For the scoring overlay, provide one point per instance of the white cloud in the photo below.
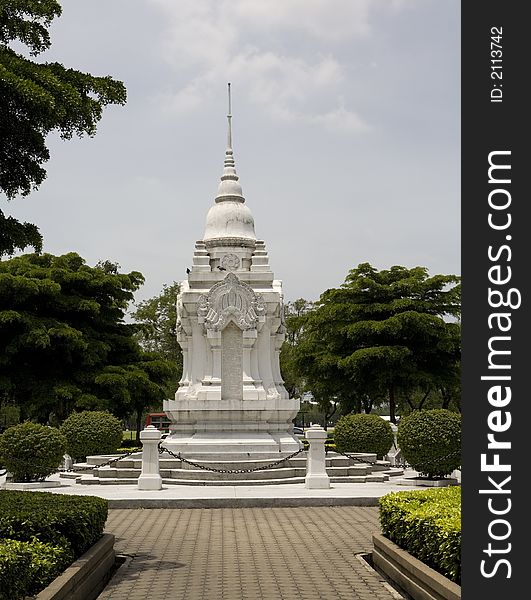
(330, 20)
(207, 41)
(341, 119)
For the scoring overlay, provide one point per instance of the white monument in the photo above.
(230, 326)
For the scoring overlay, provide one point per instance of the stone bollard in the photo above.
(150, 478)
(316, 476)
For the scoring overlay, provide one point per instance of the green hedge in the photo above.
(426, 523)
(91, 432)
(15, 569)
(28, 567)
(58, 519)
(430, 441)
(363, 433)
(31, 451)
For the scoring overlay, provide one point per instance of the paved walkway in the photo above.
(302, 553)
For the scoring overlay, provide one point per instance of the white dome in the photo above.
(229, 219)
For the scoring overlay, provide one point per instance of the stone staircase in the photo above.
(340, 469)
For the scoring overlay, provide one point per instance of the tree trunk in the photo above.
(138, 424)
(328, 416)
(392, 404)
(367, 405)
(446, 397)
(424, 398)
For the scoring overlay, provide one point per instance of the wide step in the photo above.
(224, 470)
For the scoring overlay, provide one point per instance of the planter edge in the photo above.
(86, 577)
(412, 575)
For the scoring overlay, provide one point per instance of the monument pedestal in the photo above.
(220, 443)
(254, 427)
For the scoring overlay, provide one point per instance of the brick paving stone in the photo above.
(303, 553)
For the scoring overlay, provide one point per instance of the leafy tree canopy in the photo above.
(156, 332)
(380, 333)
(15, 235)
(295, 315)
(157, 320)
(64, 343)
(37, 98)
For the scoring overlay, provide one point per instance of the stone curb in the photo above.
(239, 502)
(412, 575)
(85, 578)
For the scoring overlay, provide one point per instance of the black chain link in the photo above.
(232, 471)
(400, 465)
(406, 465)
(35, 460)
(105, 464)
(356, 458)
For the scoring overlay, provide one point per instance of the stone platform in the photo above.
(340, 469)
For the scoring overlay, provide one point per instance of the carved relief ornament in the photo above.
(230, 300)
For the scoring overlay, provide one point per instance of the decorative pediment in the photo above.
(230, 300)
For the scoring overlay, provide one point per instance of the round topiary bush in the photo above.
(430, 441)
(91, 432)
(363, 433)
(31, 452)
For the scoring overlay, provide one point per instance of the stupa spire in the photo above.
(230, 217)
(229, 117)
(229, 188)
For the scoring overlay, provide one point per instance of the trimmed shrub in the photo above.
(26, 568)
(31, 452)
(47, 563)
(75, 522)
(91, 432)
(430, 441)
(426, 523)
(15, 569)
(363, 433)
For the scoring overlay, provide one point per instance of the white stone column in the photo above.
(150, 478)
(316, 476)
(249, 339)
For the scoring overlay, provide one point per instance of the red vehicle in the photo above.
(159, 420)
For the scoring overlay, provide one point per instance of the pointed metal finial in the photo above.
(229, 117)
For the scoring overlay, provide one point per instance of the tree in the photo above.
(15, 235)
(381, 334)
(136, 387)
(36, 99)
(63, 336)
(156, 319)
(295, 315)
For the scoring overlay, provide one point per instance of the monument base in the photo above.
(240, 443)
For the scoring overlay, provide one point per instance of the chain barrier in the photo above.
(357, 459)
(163, 450)
(406, 465)
(73, 468)
(398, 465)
(105, 464)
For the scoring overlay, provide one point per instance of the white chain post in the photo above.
(316, 476)
(150, 478)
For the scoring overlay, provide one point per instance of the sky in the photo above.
(346, 135)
